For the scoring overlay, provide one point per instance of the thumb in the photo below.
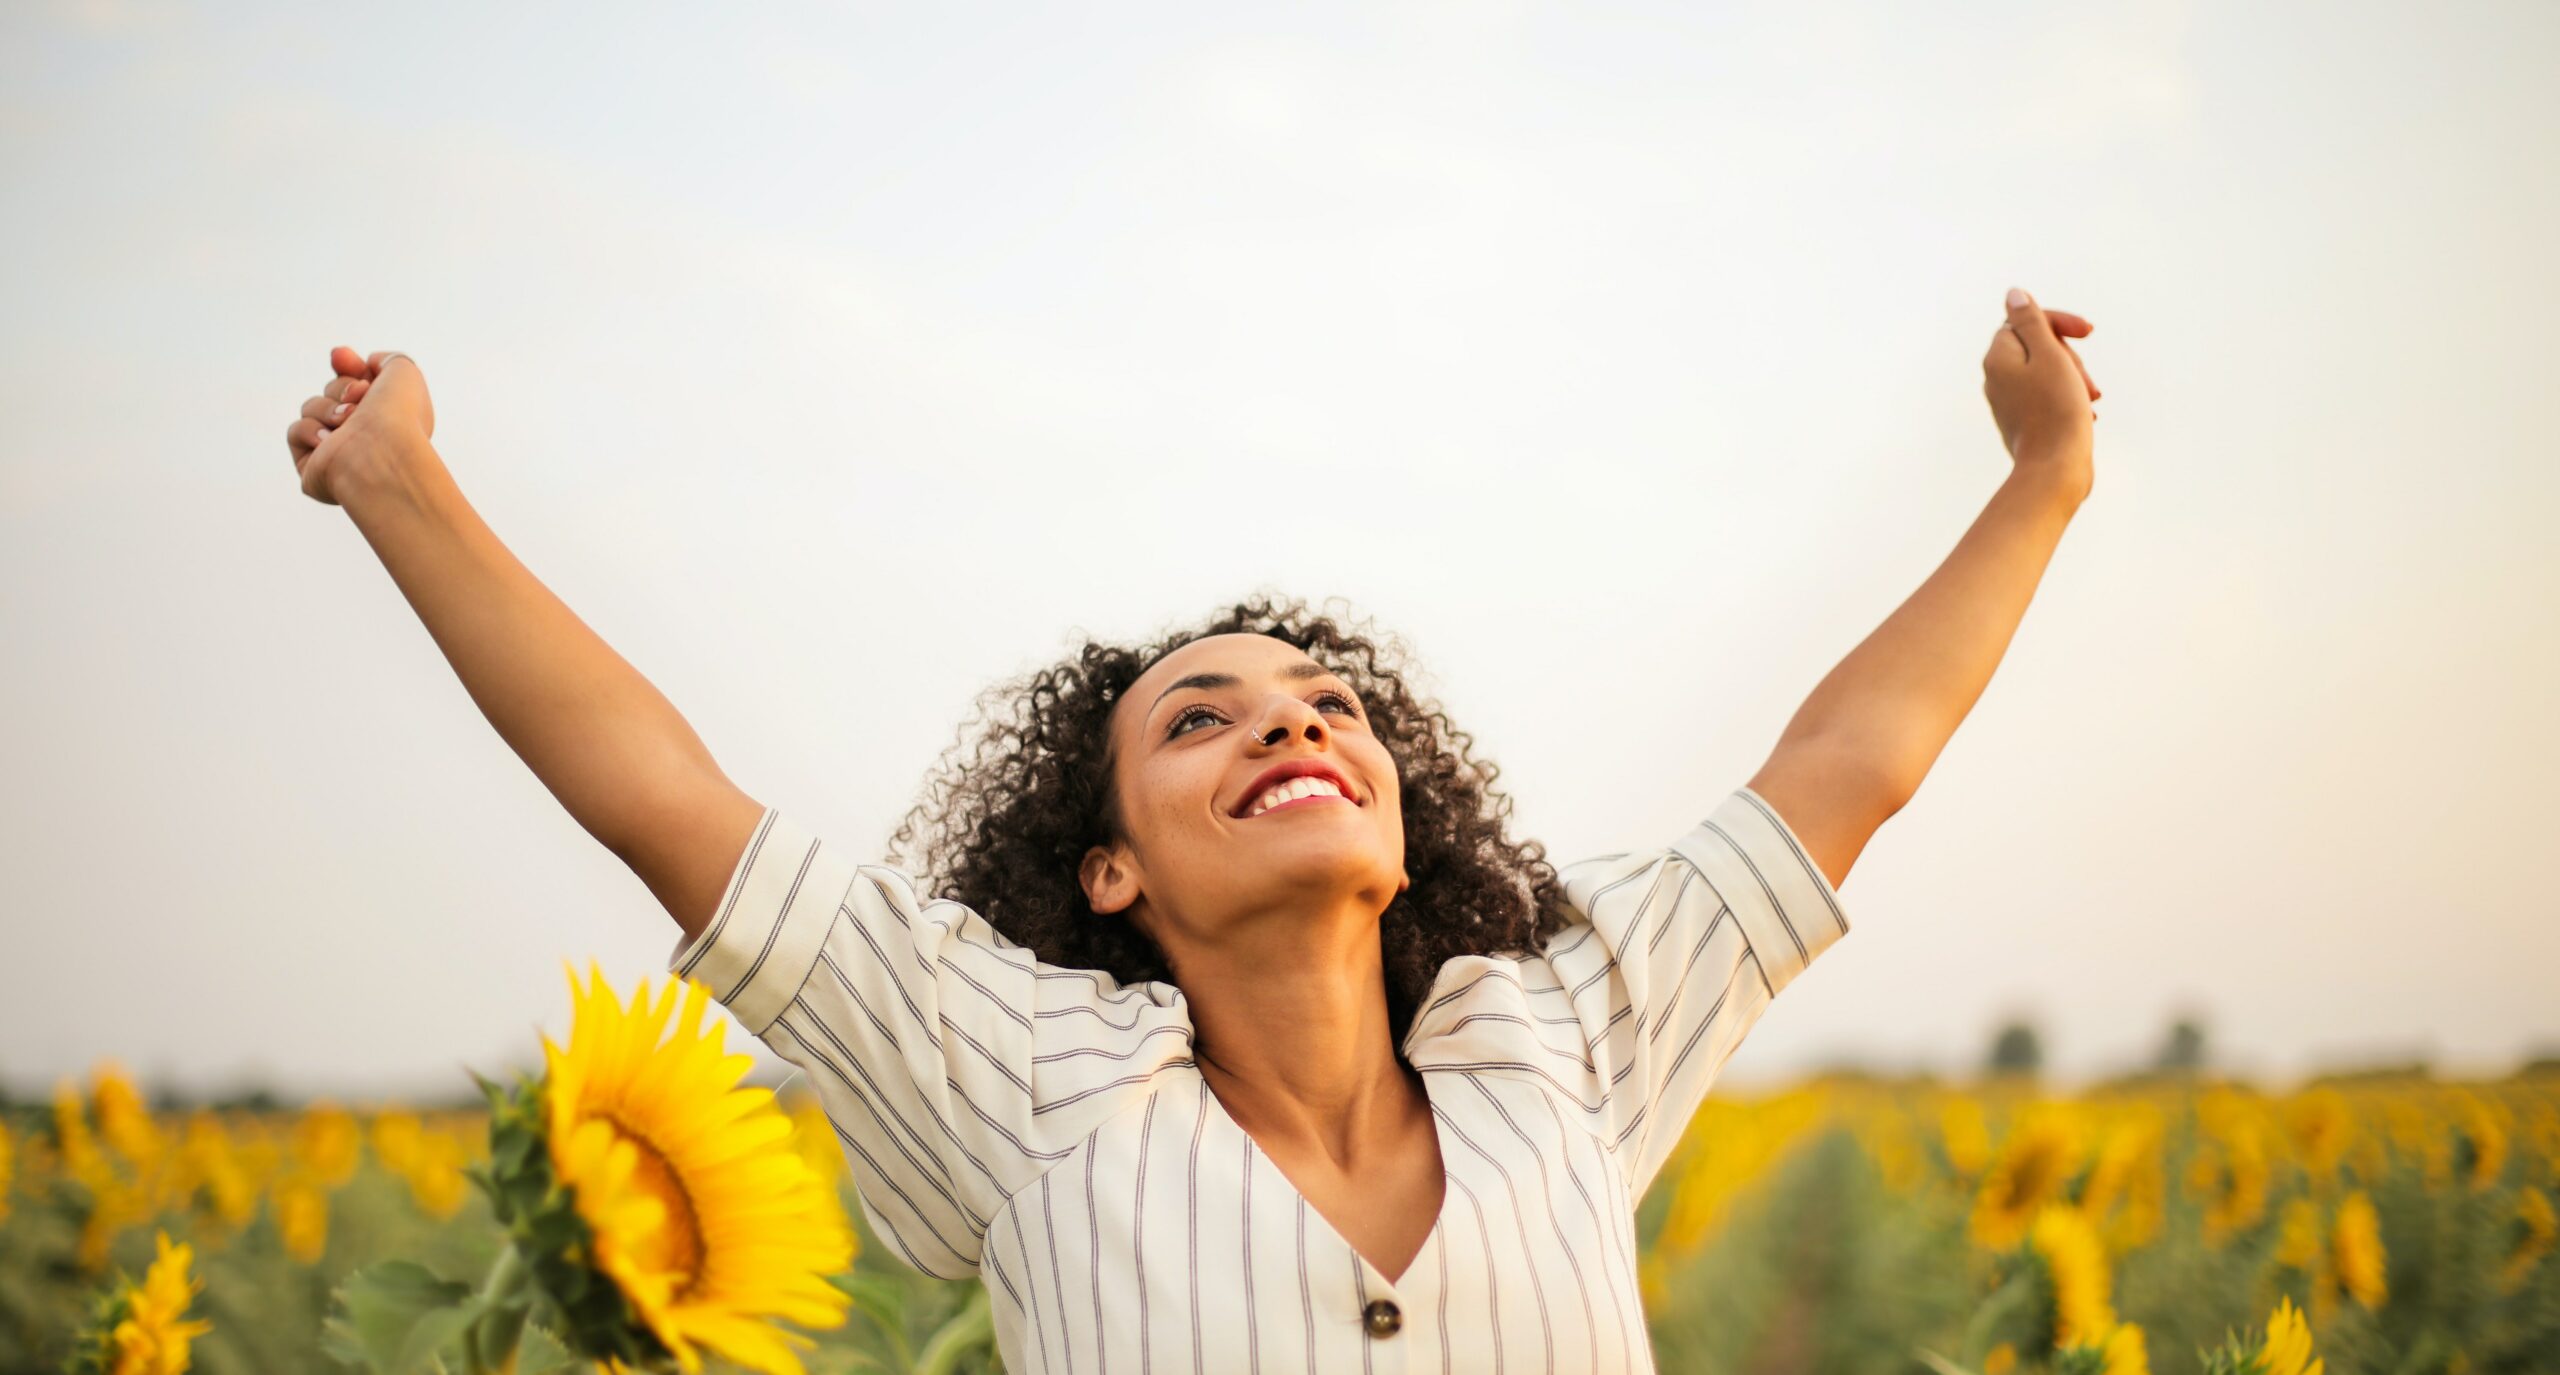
(2033, 329)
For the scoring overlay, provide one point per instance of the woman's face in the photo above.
(1192, 741)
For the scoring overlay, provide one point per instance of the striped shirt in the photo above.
(1045, 1129)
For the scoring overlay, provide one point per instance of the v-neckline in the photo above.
(1439, 1130)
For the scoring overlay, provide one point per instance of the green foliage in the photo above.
(1818, 1267)
(90, 1351)
(397, 1317)
(583, 1307)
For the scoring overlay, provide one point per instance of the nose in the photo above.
(1285, 716)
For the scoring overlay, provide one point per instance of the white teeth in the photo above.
(1291, 791)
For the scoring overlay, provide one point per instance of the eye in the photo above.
(1203, 711)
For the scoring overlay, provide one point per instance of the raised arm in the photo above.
(606, 743)
(1855, 752)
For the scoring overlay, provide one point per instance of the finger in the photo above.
(2066, 323)
(2006, 348)
(376, 361)
(326, 410)
(303, 436)
(2074, 355)
(2027, 318)
(356, 390)
(346, 361)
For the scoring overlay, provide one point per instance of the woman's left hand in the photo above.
(2038, 389)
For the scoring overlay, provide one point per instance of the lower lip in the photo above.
(1307, 800)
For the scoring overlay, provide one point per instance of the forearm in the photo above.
(606, 743)
(1890, 707)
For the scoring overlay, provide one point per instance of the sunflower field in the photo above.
(635, 1206)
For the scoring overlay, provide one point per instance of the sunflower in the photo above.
(2126, 1352)
(122, 1118)
(327, 1144)
(202, 1172)
(2288, 1347)
(687, 1197)
(435, 1177)
(5, 1163)
(2062, 1237)
(143, 1329)
(2481, 1144)
(2535, 1227)
(2035, 1164)
(1967, 1139)
(2355, 1248)
(2298, 1236)
(2323, 1128)
(302, 1218)
(2122, 1353)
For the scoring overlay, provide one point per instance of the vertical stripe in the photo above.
(1252, 1324)
(1528, 1252)
(1547, 1195)
(1093, 1265)
(1608, 1231)
(1138, 1235)
(1031, 1281)
(1440, 1248)
(1360, 1296)
(1492, 1270)
(953, 1094)
(1057, 1277)
(1199, 1124)
(1306, 1300)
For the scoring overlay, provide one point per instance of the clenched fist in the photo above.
(375, 411)
(2038, 390)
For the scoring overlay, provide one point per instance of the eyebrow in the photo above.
(1307, 668)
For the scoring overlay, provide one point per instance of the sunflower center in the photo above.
(675, 1246)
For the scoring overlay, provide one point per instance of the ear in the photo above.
(1110, 882)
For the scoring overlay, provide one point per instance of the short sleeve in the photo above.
(1630, 1013)
(954, 1066)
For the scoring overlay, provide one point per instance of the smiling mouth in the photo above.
(1296, 802)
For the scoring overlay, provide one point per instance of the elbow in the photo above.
(1882, 779)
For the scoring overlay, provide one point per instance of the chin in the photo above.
(1327, 867)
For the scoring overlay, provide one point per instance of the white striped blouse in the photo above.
(1045, 1129)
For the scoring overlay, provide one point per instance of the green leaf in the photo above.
(883, 1300)
(395, 1316)
(971, 1329)
(1940, 1363)
(1998, 1312)
(540, 1352)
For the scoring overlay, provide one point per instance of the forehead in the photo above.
(1243, 653)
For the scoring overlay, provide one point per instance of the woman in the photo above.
(1236, 1034)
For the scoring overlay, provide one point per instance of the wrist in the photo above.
(2063, 475)
(403, 476)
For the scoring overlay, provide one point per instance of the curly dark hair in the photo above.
(1006, 817)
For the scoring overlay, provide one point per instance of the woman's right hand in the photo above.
(369, 415)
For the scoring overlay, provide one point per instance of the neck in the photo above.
(1292, 1033)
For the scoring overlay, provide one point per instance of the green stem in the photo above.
(489, 1343)
(972, 1327)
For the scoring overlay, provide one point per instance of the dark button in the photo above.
(1384, 1318)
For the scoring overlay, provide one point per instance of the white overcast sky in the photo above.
(834, 361)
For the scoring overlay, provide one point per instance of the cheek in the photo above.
(1176, 793)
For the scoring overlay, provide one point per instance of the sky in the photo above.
(835, 362)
